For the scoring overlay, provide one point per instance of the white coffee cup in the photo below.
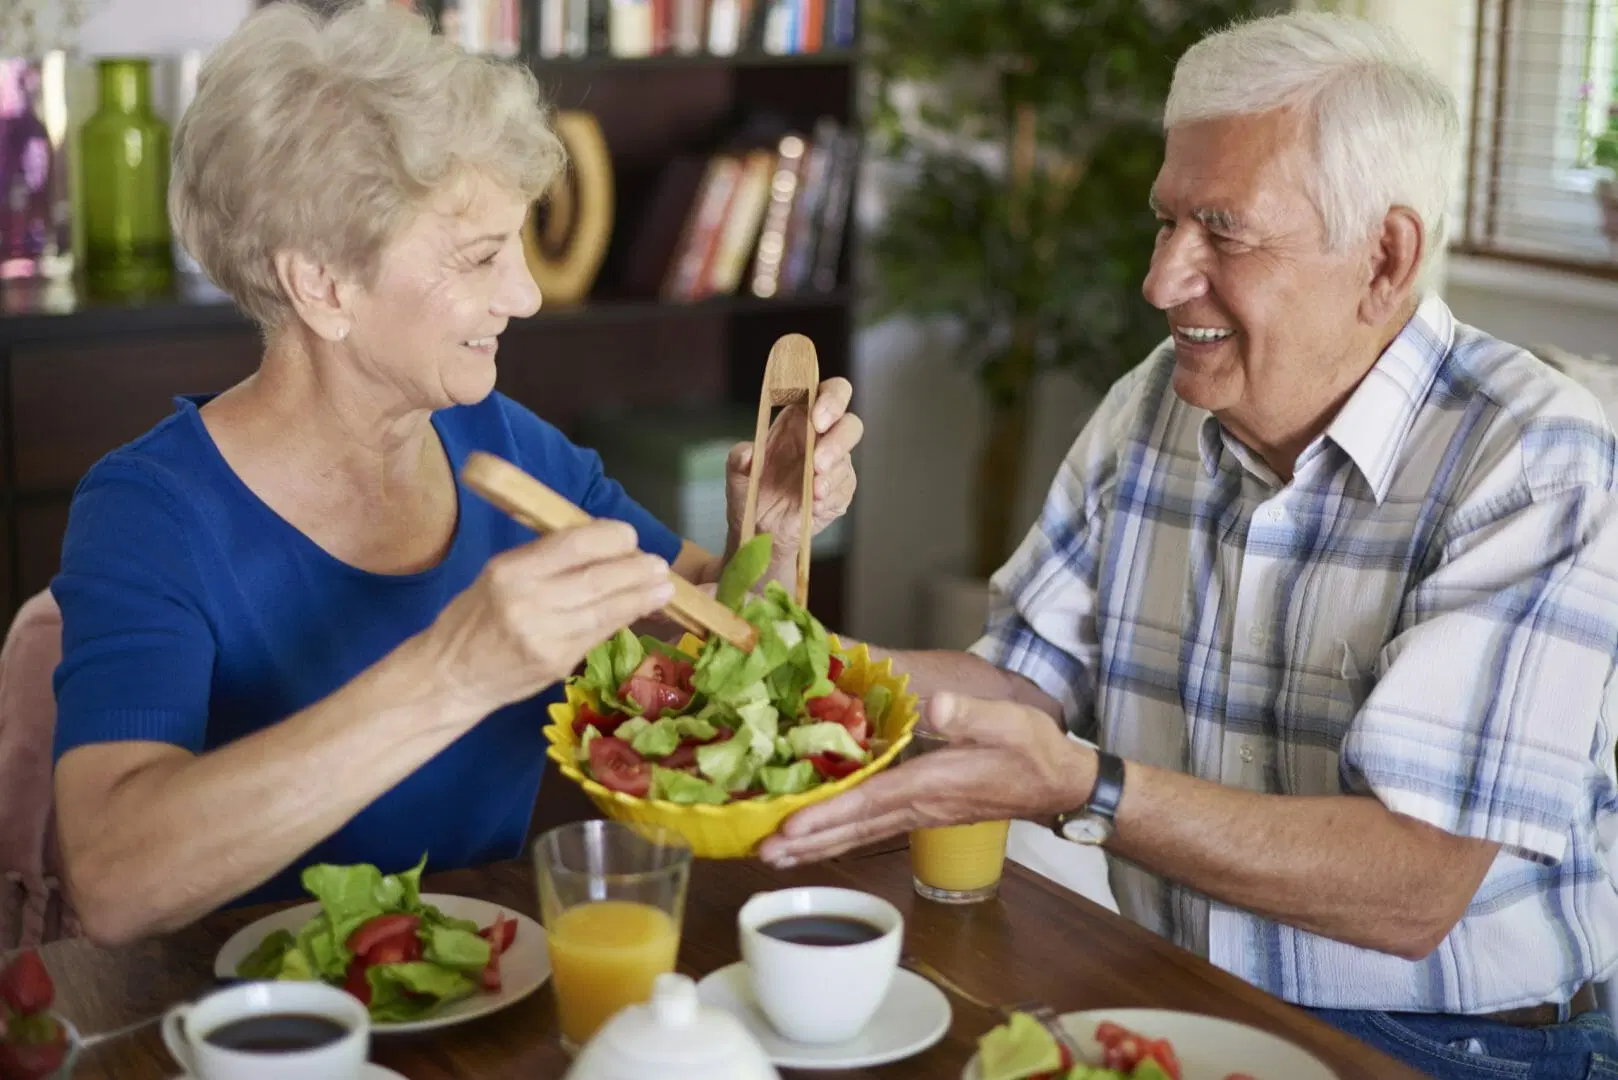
(820, 994)
(186, 1031)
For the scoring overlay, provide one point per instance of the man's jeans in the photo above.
(1467, 1048)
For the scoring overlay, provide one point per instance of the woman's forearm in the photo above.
(167, 838)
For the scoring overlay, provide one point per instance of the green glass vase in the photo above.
(124, 146)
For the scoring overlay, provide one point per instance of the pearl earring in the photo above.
(342, 334)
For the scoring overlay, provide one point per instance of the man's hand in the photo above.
(1004, 761)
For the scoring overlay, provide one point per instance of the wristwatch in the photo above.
(1092, 823)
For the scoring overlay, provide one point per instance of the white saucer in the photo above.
(913, 1017)
(372, 1071)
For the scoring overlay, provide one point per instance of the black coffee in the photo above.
(822, 930)
(277, 1033)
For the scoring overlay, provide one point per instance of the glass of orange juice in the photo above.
(612, 897)
(956, 864)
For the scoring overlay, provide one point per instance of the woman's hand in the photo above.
(530, 617)
(780, 492)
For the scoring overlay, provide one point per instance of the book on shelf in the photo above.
(759, 220)
(629, 29)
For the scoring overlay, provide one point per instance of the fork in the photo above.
(1047, 1017)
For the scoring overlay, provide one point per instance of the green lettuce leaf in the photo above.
(296, 967)
(825, 738)
(407, 991)
(878, 699)
(1019, 1048)
(727, 764)
(657, 739)
(679, 787)
(789, 779)
(590, 735)
(607, 666)
(451, 947)
(744, 570)
(264, 962)
(631, 728)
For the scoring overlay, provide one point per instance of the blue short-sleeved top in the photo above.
(193, 614)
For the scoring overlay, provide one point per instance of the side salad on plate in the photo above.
(1022, 1049)
(377, 939)
(726, 724)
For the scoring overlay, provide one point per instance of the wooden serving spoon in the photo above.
(543, 510)
(791, 377)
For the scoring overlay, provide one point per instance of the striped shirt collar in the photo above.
(1375, 421)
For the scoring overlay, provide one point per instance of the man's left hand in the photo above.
(1004, 761)
(780, 493)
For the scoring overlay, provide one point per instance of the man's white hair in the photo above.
(1386, 129)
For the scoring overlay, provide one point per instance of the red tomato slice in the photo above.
(1160, 1051)
(683, 757)
(835, 671)
(33, 1060)
(845, 709)
(1130, 1049)
(25, 985)
(373, 932)
(356, 983)
(834, 766)
(498, 939)
(605, 724)
(508, 932)
(653, 697)
(1108, 1033)
(615, 765)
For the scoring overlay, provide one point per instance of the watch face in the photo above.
(1090, 829)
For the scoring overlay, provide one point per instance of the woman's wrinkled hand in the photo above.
(534, 611)
(780, 493)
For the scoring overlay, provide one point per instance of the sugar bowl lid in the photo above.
(673, 1037)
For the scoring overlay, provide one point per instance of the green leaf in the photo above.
(679, 787)
(264, 962)
(658, 739)
(825, 738)
(463, 950)
(878, 699)
(627, 653)
(789, 779)
(744, 570)
(1019, 1048)
(321, 949)
(727, 764)
(407, 991)
(630, 729)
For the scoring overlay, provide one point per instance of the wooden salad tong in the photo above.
(543, 510)
(791, 377)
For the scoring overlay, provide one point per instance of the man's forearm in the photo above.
(1341, 866)
(932, 671)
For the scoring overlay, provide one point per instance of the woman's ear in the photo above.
(316, 293)
(1396, 255)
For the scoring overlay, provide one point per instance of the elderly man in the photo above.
(1332, 579)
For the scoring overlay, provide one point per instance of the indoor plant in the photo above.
(1024, 138)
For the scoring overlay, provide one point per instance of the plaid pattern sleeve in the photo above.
(1499, 676)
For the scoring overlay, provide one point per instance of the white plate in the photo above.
(913, 1016)
(1208, 1048)
(523, 968)
(372, 1071)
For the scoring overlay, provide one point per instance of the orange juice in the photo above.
(604, 956)
(960, 858)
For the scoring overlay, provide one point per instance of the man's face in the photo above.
(1266, 322)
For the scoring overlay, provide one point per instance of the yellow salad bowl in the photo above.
(734, 830)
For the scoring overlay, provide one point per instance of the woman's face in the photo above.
(444, 290)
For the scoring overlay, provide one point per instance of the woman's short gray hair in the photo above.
(325, 134)
(1386, 130)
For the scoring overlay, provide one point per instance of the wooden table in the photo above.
(1035, 941)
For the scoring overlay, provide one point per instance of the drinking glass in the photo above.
(955, 864)
(612, 897)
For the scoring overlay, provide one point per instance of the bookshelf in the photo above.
(79, 378)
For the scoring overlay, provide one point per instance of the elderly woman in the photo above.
(288, 637)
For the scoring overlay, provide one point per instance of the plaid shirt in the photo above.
(1426, 614)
